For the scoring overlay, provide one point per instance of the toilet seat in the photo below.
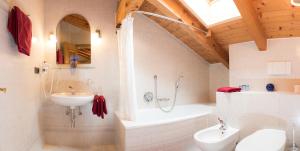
(263, 140)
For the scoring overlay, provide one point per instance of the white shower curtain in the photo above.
(128, 100)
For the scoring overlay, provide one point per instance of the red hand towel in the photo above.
(19, 25)
(59, 57)
(12, 24)
(100, 108)
(95, 104)
(104, 104)
(229, 89)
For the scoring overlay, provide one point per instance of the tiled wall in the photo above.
(249, 65)
(251, 111)
(19, 107)
(157, 52)
(174, 136)
(218, 77)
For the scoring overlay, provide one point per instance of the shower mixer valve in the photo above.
(148, 96)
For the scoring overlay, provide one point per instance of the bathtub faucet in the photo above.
(72, 89)
(223, 125)
(163, 99)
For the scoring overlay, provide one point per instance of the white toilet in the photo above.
(212, 139)
(263, 140)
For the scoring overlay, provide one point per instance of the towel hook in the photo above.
(11, 4)
(3, 90)
(99, 90)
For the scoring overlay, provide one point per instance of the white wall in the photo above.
(158, 52)
(19, 107)
(218, 77)
(90, 130)
(249, 66)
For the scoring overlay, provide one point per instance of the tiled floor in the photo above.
(94, 148)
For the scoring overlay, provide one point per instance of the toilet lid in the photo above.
(263, 140)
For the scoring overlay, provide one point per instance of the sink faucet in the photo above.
(72, 90)
(223, 126)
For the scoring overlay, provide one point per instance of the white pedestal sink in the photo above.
(72, 100)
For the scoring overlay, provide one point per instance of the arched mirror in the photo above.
(73, 40)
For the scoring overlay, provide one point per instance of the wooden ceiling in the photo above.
(261, 19)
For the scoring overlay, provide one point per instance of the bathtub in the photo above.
(157, 130)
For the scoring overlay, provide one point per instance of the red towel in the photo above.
(104, 104)
(95, 104)
(99, 106)
(229, 89)
(59, 57)
(19, 25)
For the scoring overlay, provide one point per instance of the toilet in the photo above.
(263, 140)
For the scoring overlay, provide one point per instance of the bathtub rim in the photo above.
(133, 124)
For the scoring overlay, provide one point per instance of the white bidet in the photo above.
(212, 138)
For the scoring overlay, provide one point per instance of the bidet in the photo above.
(211, 139)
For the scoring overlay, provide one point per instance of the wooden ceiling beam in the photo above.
(125, 7)
(250, 18)
(173, 8)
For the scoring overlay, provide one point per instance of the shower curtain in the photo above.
(128, 101)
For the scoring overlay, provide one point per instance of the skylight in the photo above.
(212, 12)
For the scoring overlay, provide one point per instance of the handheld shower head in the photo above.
(178, 81)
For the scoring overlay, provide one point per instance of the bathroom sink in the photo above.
(72, 100)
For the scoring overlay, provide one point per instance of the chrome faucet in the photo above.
(223, 126)
(72, 90)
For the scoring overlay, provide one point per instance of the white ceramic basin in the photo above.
(72, 99)
(211, 139)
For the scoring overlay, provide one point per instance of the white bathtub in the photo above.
(160, 130)
(154, 116)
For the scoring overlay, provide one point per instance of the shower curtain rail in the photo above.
(168, 18)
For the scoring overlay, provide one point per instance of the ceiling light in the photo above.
(295, 2)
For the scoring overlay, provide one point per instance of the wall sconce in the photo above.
(34, 39)
(52, 38)
(97, 36)
(98, 32)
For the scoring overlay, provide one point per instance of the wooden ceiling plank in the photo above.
(125, 7)
(251, 19)
(173, 8)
